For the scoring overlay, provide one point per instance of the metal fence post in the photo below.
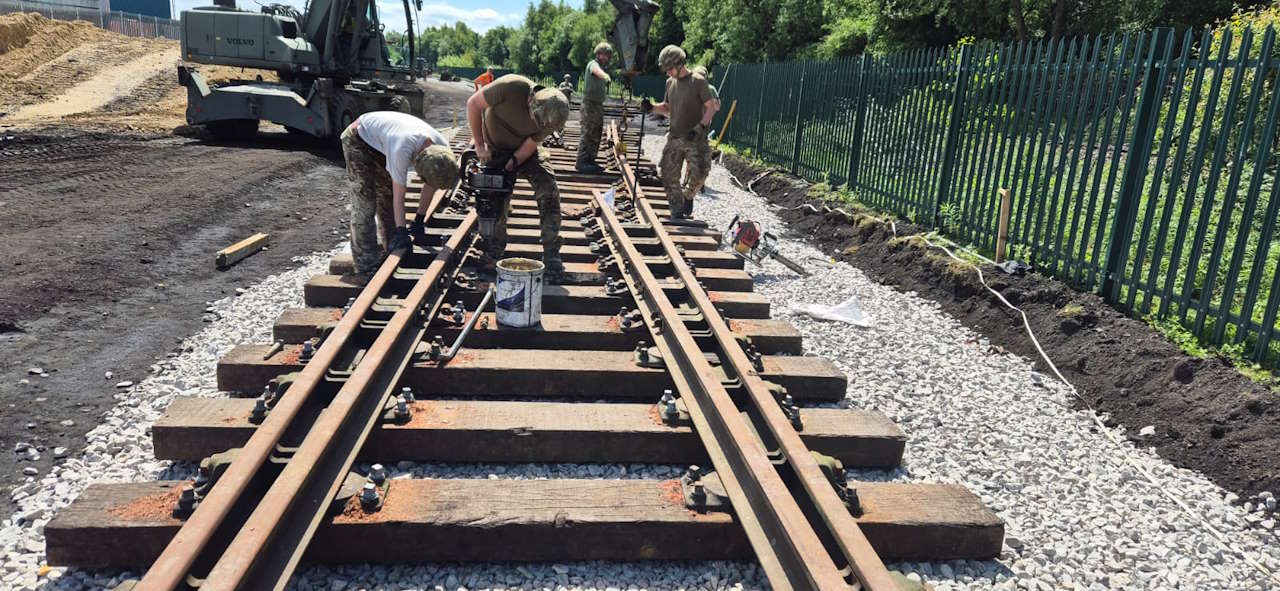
(956, 121)
(764, 71)
(799, 129)
(859, 122)
(1135, 169)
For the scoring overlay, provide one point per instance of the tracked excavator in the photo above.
(331, 60)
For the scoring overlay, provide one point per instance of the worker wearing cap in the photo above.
(379, 148)
(566, 86)
(689, 105)
(595, 83)
(509, 119)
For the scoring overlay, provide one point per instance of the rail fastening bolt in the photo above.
(406, 394)
(377, 474)
(402, 409)
(694, 473)
(187, 501)
(369, 495)
(642, 350)
(202, 476)
(259, 413)
(308, 350)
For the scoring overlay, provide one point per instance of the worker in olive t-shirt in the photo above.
(690, 106)
(509, 118)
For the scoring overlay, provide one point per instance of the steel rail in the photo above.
(803, 535)
(202, 541)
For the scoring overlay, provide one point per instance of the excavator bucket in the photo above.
(630, 34)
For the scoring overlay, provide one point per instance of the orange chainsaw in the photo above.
(751, 242)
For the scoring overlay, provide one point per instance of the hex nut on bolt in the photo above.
(377, 474)
(406, 394)
(369, 495)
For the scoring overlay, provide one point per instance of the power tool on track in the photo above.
(490, 184)
(749, 241)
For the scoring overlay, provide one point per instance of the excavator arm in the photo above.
(630, 35)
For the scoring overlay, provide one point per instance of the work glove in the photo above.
(400, 240)
(646, 106)
(417, 231)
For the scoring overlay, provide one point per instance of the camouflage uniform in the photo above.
(539, 172)
(592, 125)
(696, 153)
(372, 219)
(372, 214)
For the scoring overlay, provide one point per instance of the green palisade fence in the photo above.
(1142, 165)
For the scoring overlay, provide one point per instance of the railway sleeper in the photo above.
(524, 520)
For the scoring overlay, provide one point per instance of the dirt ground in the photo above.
(1207, 416)
(111, 221)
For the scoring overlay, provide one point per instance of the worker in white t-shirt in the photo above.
(379, 148)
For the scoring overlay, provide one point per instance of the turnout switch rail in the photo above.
(653, 313)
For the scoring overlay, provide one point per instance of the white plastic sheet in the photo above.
(847, 311)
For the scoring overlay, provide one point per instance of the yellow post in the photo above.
(727, 119)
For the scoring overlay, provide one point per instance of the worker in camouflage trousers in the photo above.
(509, 118)
(595, 82)
(689, 187)
(379, 148)
(689, 105)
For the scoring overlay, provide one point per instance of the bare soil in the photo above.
(111, 220)
(1208, 417)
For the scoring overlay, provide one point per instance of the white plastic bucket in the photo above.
(519, 292)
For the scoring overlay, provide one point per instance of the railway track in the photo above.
(655, 351)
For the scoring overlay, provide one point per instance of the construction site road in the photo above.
(109, 244)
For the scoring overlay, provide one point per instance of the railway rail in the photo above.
(656, 350)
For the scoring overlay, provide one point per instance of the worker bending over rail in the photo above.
(509, 119)
(379, 148)
(690, 106)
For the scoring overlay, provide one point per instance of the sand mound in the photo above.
(55, 71)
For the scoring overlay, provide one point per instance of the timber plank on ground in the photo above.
(538, 373)
(560, 331)
(520, 520)
(523, 431)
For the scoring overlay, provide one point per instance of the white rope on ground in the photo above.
(1151, 479)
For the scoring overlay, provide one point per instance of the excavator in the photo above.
(331, 61)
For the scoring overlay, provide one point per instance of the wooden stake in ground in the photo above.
(234, 253)
(1002, 236)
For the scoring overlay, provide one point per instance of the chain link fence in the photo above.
(125, 23)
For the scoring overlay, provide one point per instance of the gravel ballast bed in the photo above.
(1077, 513)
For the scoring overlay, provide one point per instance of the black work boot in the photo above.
(589, 168)
(554, 267)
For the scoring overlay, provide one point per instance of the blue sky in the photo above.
(480, 16)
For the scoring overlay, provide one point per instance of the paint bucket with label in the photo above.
(519, 292)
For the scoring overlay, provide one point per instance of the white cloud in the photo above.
(479, 19)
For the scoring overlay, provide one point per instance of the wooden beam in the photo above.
(238, 251)
(334, 290)
(557, 331)
(522, 431)
(542, 373)
(550, 520)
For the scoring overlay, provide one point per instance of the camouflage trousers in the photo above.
(538, 171)
(372, 219)
(591, 125)
(678, 152)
